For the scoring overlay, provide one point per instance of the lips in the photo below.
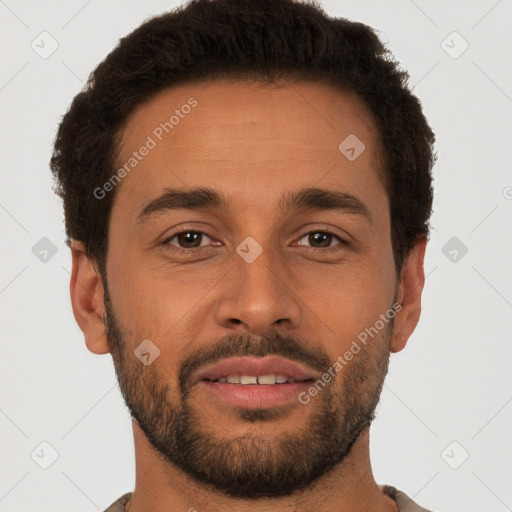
(254, 382)
(257, 367)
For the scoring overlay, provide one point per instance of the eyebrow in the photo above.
(201, 198)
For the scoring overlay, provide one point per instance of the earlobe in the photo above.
(87, 301)
(409, 295)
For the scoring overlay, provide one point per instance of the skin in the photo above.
(253, 142)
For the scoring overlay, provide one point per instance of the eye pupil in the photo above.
(320, 237)
(188, 237)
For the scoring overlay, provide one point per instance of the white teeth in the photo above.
(267, 379)
(271, 378)
(248, 379)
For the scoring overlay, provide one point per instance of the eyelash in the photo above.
(343, 243)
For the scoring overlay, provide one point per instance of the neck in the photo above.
(350, 486)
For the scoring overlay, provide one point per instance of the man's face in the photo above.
(324, 276)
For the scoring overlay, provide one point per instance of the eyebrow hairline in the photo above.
(200, 198)
(324, 200)
(189, 199)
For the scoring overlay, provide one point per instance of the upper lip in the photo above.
(257, 366)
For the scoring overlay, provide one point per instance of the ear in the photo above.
(87, 299)
(409, 295)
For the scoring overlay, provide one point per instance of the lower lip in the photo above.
(256, 396)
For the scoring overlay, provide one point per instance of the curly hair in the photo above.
(243, 40)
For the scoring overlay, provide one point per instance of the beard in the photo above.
(251, 466)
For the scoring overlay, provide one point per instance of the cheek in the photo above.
(167, 305)
(352, 299)
(136, 298)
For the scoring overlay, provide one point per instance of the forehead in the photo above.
(250, 137)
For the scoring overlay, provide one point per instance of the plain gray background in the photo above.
(443, 429)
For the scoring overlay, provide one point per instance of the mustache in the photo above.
(240, 345)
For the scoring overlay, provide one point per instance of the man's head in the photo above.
(254, 127)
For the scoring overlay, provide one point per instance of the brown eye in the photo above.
(187, 239)
(321, 239)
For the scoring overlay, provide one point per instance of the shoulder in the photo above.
(405, 504)
(118, 505)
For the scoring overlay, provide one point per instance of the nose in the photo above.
(259, 296)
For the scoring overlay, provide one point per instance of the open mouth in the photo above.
(272, 378)
(252, 383)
